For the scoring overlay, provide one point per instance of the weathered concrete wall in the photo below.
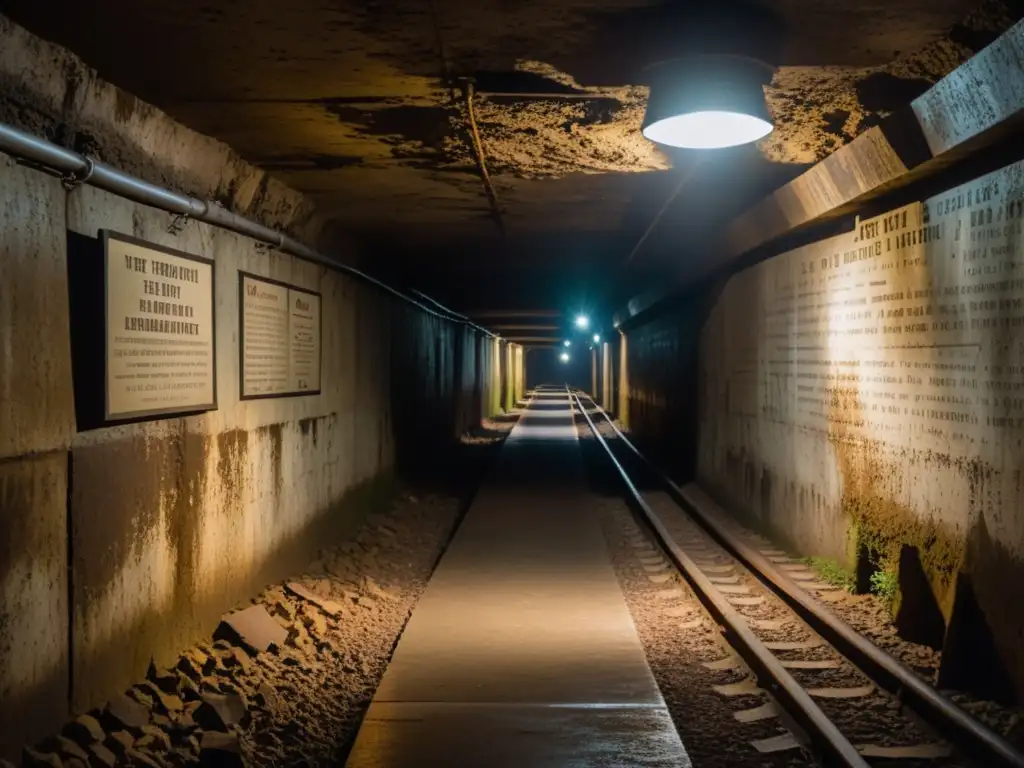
(660, 392)
(864, 398)
(123, 543)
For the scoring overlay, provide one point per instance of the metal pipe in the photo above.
(797, 701)
(975, 736)
(78, 169)
(478, 149)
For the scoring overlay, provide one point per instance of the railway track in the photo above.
(838, 695)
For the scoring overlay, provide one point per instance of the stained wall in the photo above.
(863, 398)
(119, 544)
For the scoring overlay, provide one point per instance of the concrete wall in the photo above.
(122, 543)
(863, 397)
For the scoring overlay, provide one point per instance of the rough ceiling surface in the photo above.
(363, 105)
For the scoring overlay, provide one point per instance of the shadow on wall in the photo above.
(986, 604)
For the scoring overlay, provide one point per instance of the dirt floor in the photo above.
(299, 702)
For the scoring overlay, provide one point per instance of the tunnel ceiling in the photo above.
(347, 101)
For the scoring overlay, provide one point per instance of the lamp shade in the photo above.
(708, 102)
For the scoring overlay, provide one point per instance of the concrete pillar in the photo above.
(622, 410)
(509, 404)
(606, 377)
(520, 373)
(593, 373)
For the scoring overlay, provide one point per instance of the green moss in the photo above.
(886, 585)
(831, 572)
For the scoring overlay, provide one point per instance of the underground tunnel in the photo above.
(590, 382)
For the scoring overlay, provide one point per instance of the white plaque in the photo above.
(280, 347)
(160, 355)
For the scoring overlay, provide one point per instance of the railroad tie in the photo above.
(856, 692)
(766, 711)
(746, 601)
(709, 569)
(812, 664)
(729, 662)
(745, 687)
(792, 645)
(780, 743)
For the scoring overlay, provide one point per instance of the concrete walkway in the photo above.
(522, 651)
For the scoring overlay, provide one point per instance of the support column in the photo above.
(622, 411)
(606, 377)
(593, 373)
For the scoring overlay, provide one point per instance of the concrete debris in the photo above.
(127, 713)
(30, 758)
(221, 750)
(85, 730)
(101, 757)
(141, 759)
(255, 628)
(327, 605)
(219, 712)
(119, 742)
(376, 590)
(287, 679)
(69, 749)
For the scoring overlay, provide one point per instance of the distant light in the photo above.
(708, 102)
(564, 357)
(597, 338)
(582, 322)
(567, 343)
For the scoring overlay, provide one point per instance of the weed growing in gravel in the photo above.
(885, 585)
(831, 572)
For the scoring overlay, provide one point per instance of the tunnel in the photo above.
(584, 382)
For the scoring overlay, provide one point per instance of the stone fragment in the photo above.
(376, 590)
(140, 758)
(328, 606)
(85, 730)
(126, 712)
(363, 601)
(69, 748)
(266, 696)
(314, 620)
(219, 711)
(190, 668)
(241, 658)
(221, 750)
(119, 742)
(254, 628)
(101, 757)
(157, 734)
(165, 680)
(30, 758)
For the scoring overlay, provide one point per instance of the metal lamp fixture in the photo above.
(708, 102)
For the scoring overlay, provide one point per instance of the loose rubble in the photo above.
(287, 678)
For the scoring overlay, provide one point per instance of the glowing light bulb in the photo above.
(567, 343)
(564, 357)
(597, 338)
(708, 130)
(582, 322)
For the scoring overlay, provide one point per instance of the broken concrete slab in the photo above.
(221, 750)
(85, 730)
(126, 713)
(254, 628)
(220, 711)
(328, 606)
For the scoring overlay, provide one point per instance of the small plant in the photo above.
(885, 585)
(831, 572)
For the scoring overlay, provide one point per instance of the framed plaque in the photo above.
(280, 338)
(160, 340)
